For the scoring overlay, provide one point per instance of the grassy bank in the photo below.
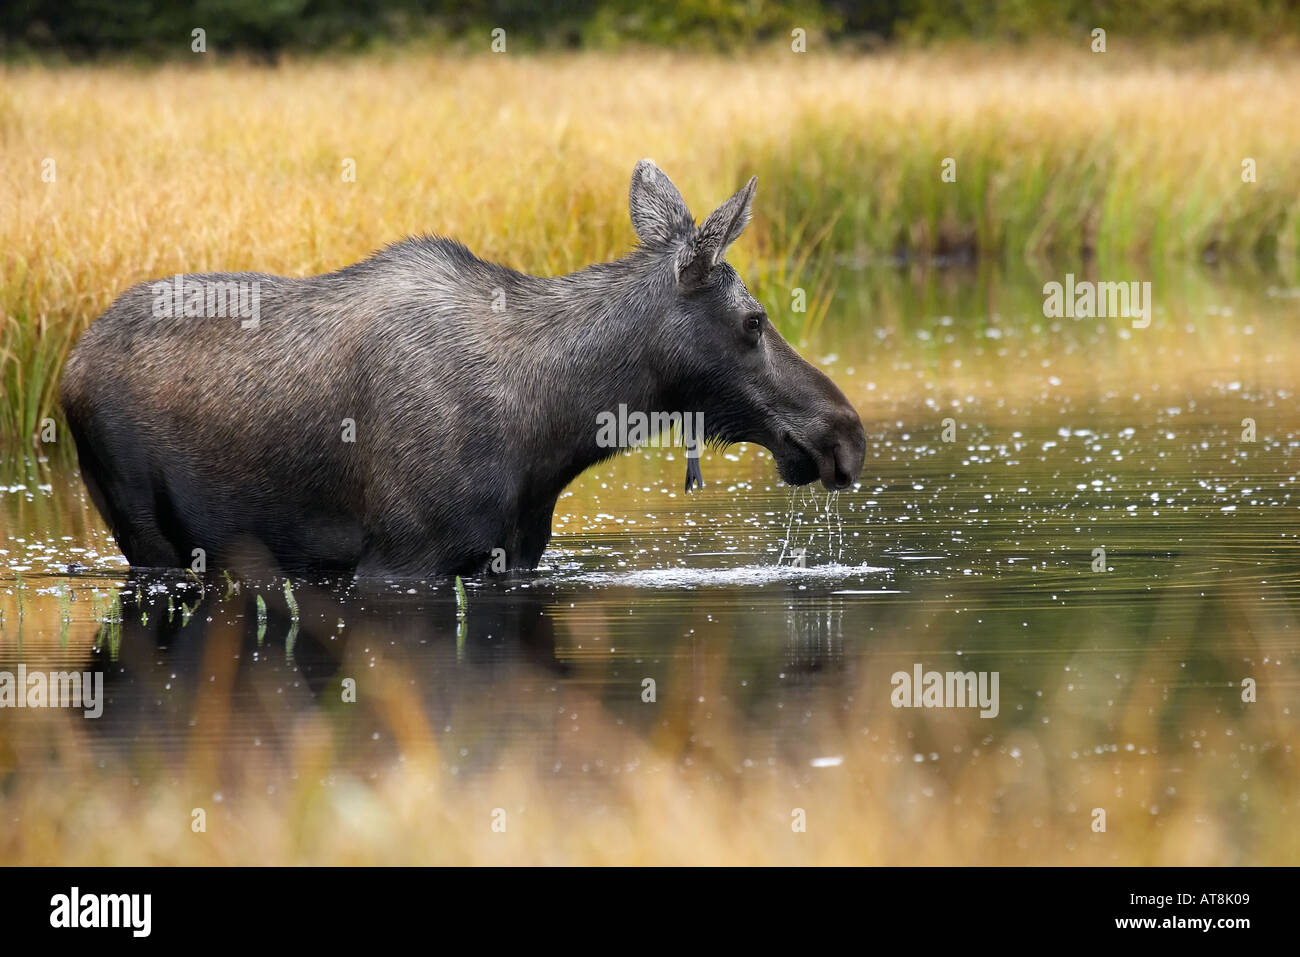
(1057, 155)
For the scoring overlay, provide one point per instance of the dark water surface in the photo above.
(1119, 689)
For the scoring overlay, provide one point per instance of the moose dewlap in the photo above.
(414, 413)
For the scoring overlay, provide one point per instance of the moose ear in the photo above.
(720, 230)
(659, 215)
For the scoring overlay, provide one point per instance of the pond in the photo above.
(1097, 523)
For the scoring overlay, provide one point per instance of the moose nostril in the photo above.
(848, 462)
(839, 475)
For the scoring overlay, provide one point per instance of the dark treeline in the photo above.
(86, 28)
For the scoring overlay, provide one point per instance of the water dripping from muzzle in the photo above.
(826, 518)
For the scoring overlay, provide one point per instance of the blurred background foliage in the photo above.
(79, 29)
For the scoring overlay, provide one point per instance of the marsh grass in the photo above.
(1059, 153)
(261, 620)
(290, 601)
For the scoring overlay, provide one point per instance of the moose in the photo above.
(407, 416)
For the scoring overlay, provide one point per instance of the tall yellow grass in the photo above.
(526, 160)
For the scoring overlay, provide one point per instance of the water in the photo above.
(676, 684)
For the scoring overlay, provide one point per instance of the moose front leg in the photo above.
(530, 538)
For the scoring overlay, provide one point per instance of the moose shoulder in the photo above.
(410, 414)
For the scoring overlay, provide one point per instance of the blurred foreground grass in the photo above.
(587, 774)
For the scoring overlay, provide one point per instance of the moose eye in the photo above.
(754, 322)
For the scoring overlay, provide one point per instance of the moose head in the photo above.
(718, 351)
